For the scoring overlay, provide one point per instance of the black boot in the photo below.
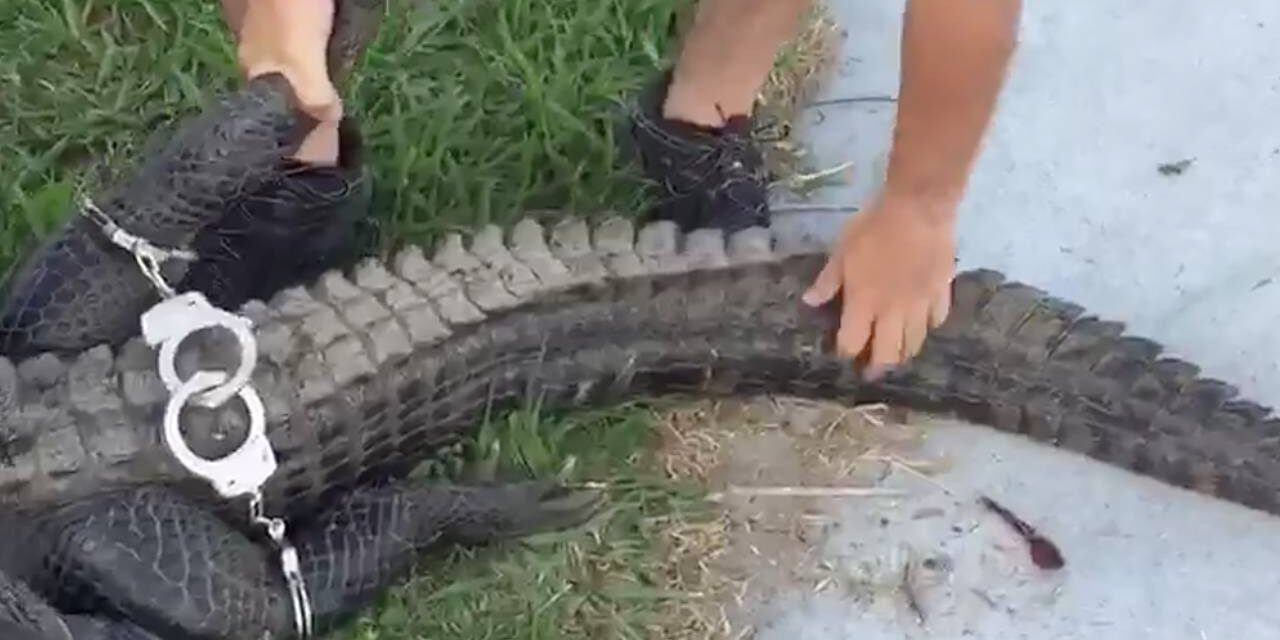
(704, 177)
(288, 232)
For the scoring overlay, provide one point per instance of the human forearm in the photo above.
(895, 261)
(954, 58)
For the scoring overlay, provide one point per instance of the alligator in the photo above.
(370, 370)
(363, 373)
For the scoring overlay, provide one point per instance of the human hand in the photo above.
(291, 37)
(895, 263)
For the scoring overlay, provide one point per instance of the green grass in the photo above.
(473, 110)
(600, 581)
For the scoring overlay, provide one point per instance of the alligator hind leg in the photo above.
(370, 538)
(24, 615)
(172, 565)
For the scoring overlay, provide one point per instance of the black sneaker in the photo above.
(298, 225)
(705, 177)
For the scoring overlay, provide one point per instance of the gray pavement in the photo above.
(1067, 196)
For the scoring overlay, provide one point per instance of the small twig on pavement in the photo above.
(910, 593)
(852, 100)
(809, 492)
(869, 413)
(899, 463)
(826, 432)
(800, 179)
(813, 208)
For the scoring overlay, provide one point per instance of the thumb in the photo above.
(317, 95)
(825, 286)
(313, 92)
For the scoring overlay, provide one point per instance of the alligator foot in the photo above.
(172, 565)
(79, 289)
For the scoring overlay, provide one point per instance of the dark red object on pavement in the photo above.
(1044, 553)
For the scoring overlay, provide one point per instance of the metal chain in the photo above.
(289, 564)
(245, 470)
(149, 256)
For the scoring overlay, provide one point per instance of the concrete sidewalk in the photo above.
(1144, 561)
(1068, 196)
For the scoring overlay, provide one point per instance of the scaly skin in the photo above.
(143, 561)
(78, 290)
(364, 374)
(364, 377)
(150, 560)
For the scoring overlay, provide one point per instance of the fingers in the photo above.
(894, 336)
(314, 96)
(313, 92)
(859, 318)
(886, 344)
(855, 319)
(900, 336)
(914, 330)
(318, 99)
(314, 89)
(941, 307)
(890, 299)
(321, 146)
(856, 322)
(826, 285)
(290, 37)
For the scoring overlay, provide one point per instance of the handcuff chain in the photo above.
(147, 254)
(150, 257)
(303, 617)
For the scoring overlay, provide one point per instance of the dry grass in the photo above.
(689, 449)
(692, 437)
(452, 144)
(728, 559)
(803, 67)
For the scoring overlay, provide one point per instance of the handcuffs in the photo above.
(243, 472)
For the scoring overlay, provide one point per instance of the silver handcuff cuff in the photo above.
(243, 472)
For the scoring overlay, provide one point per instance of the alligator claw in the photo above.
(490, 513)
(570, 508)
(546, 506)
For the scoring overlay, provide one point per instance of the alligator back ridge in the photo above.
(366, 373)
